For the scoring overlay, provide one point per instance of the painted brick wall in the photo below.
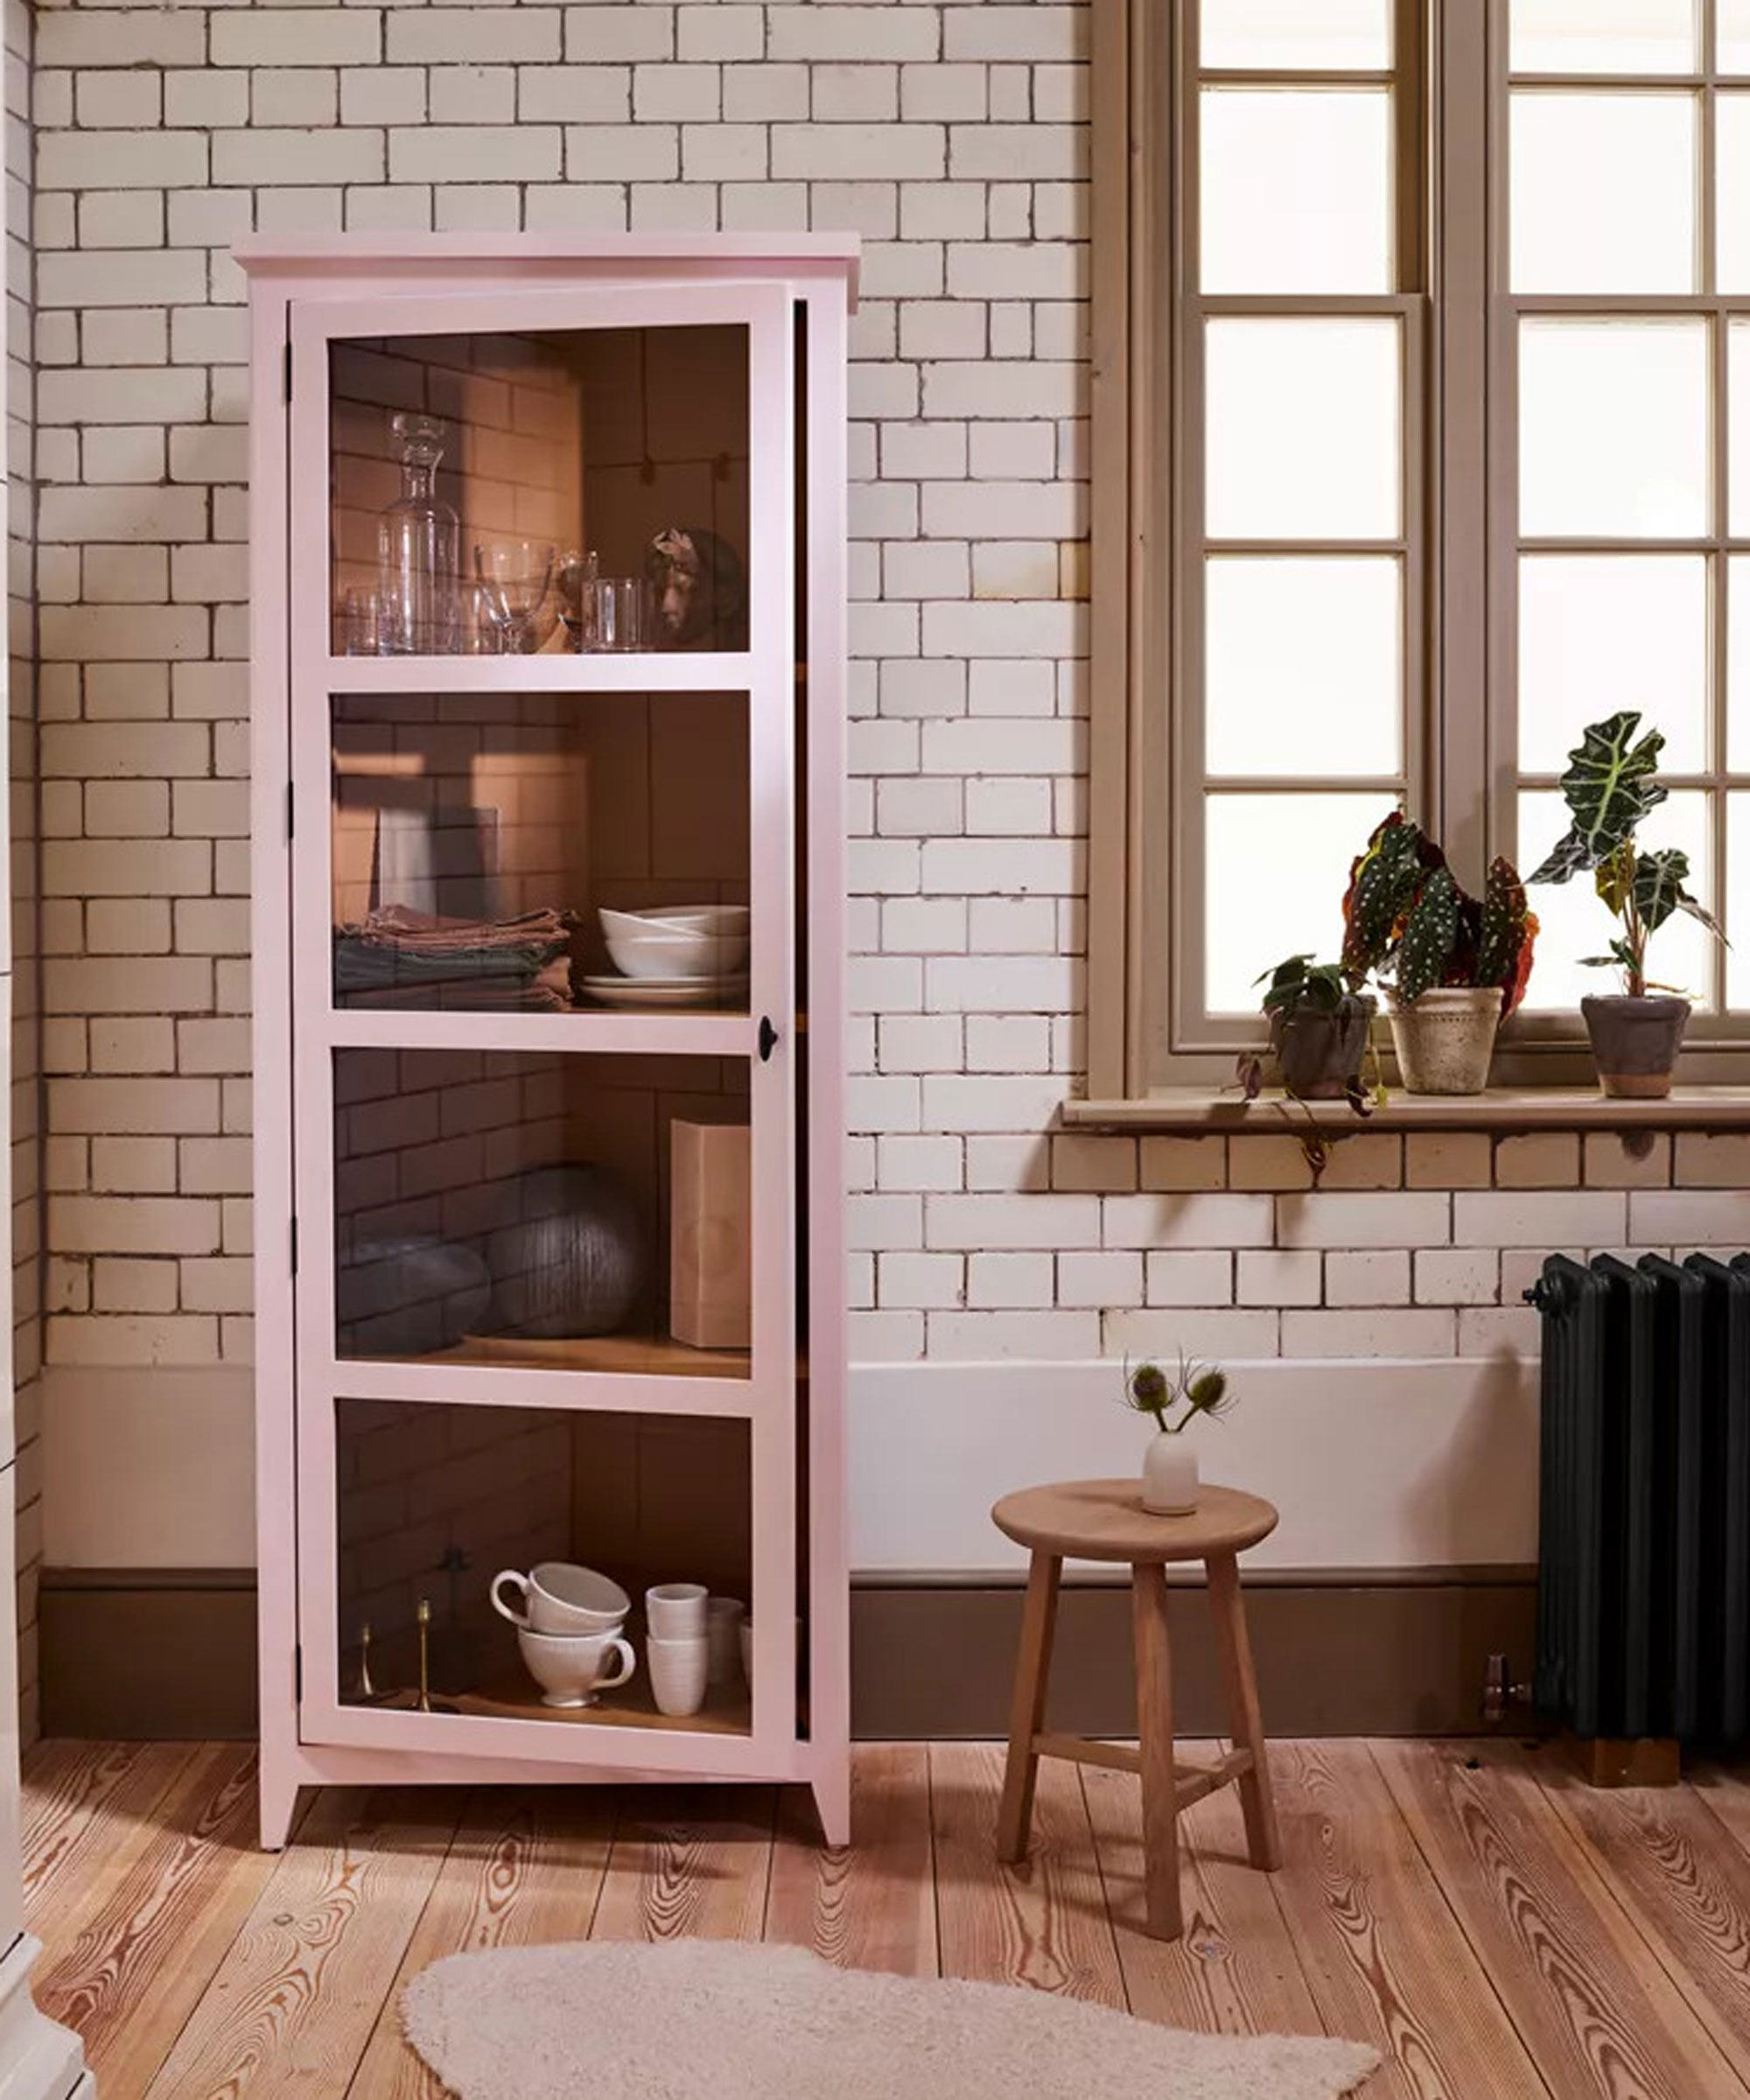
(953, 137)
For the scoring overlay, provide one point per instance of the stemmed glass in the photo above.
(514, 577)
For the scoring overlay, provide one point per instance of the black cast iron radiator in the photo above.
(1643, 1582)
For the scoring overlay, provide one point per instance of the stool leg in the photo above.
(1247, 1728)
(1154, 1728)
(1032, 1672)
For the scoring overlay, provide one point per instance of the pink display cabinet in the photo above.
(547, 577)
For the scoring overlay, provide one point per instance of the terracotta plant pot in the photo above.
(1634, 1044)
(1319, 1054)
(1445, 1037)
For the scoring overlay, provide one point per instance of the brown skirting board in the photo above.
(169, 1653)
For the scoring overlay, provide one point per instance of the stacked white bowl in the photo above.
(679, 941)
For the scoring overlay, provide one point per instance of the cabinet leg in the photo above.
(832, 1802)
(1233, 1647)
(1032, 1672)
(277, 1792)
(1154, 1730)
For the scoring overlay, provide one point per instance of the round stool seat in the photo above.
(1105, 1520)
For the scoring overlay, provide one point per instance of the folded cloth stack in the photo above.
(399, 957)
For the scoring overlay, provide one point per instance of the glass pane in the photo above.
(585, 1511)
(1603, 192)
(1733, 31)
(1738, 393)
(534, 852)
(1738, 671)
(1737, 901)
(1572, 922)
(1277, 868)
(1732, 191)
(1303, 438)
(1304, 664)
(487, 489)
(500, 1206)
(1289, 35)
(1613, 427)
(1605, 36)
(1600, 633)
(1296, 192)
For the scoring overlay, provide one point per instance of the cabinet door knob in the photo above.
(768, 1039)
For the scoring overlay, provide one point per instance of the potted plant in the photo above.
(1454, 966)
(1610, 786)
(1319, 1024)
(1170, 1462)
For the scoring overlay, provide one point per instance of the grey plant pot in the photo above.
(1319, 1054)
(1634, 1044)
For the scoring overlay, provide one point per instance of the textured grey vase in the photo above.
(409, 1297)
(571, 1262)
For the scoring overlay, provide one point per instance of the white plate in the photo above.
(665, 992)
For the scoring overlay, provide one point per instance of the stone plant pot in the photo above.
(1319, 1054)
(1445, 1037)
(1634, 1044)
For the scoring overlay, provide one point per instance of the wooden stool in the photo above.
(1105, 1520)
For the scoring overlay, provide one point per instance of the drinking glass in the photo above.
(514, 576)
(625, 613)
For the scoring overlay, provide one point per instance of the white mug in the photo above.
(571, 1669)
(560, 1598)
(676, 1610)
(723, 1637)
(679, 1672)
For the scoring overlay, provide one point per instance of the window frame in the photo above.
(1460, 533)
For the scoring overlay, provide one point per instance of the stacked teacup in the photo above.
(677, 1646)
(569, 1621)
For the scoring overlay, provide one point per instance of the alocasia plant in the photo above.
(1611, 784)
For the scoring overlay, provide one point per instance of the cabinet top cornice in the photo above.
(370, 258)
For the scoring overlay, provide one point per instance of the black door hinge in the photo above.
(289, 825)
(294, 1245)
(285, 375)
(298, 1672)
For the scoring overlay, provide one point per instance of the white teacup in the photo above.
(560, 1598)
(679, 1672)
(573, 1669)
(676, 1610)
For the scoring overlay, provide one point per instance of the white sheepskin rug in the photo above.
(704, 2020)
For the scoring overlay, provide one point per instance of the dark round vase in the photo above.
(409, 1297)
(1319, 1054)
(1634, 1044)
(570, 1261)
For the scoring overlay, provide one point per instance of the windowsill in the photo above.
(1193, 1110)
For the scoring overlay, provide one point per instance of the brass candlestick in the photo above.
(367, 1688)
(424, 1615)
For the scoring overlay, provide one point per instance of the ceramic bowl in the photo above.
(678, 918)
(685, 952)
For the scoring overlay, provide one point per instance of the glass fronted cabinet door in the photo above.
(542, 686)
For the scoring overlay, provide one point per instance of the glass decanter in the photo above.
(419, 548)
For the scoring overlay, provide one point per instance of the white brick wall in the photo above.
(951, 134)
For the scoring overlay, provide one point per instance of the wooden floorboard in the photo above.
(870, 1905)
(1497, 1930)
(1589, 1997)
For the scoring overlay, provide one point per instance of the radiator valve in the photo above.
(1500, 1693)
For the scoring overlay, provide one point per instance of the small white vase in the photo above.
(1170, 1474)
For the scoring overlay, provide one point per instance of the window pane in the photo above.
(1738, 671)
(1732, 191)
(1598, 632)
(1605, 36)
(1304, 667)
(1290, 34)
(1572, 922)
(1296, 191)
(1738, 393)
(1734, 35)
(1304, 425)
(1613, 427)
(1603, 192)
(1737, 899)
(1278, 865)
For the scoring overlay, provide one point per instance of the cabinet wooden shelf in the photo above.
(436, 1181)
